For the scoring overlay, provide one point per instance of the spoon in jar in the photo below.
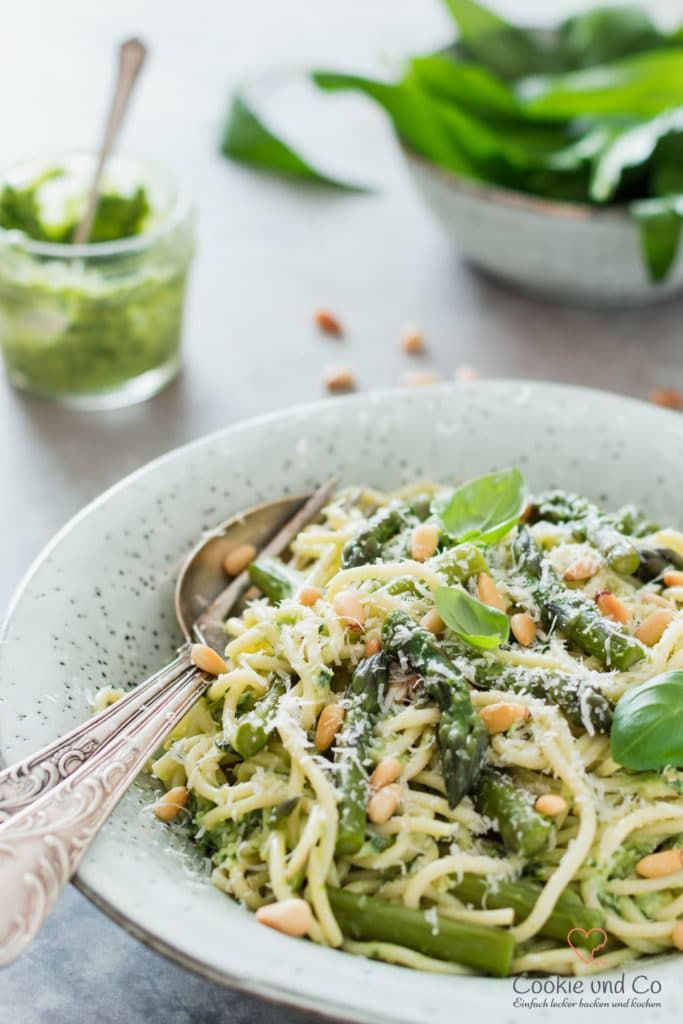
(55, 801)
(132, 55)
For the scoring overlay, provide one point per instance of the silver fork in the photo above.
(55, 801)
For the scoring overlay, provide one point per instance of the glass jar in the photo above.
(97, 326)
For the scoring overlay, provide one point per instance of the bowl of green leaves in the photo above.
(554, 157)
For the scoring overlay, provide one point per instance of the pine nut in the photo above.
(372, 646)
(657, 865)
(329, 724)
(652, 598)
(348, 606)
(171, 803)
(523, 628)
(466, 374)
(207, 660)
(551, 805)
(308, 596)
(386, 772)
(650, 630)
(488, 592)
(499, 717)
(432, 621)
(239, 558)
(674, 578)
(383, 803)
(413, 342)
(292, 917)
(677, 936)
(668, 398)
(424, 541)
(420, 379)
(612, 608)
(328, 322)
(581, 569)
(339, 378)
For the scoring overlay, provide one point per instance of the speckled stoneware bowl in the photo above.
(571, 252)
(100, 596)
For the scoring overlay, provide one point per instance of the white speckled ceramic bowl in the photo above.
(572, 252)
(100, 597)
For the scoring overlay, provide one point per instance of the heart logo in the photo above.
(586, 935)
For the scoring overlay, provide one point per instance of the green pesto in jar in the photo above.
(117, 216)
(87, 325)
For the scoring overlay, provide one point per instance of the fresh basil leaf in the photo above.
(647, 729)
(659, 226)
(474, 622)
(640, 86)
(247, 140)
(607, 33)
(484, 509)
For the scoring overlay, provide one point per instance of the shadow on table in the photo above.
(628, 350)
(83, 968)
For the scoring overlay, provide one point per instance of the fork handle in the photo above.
(25, 781)
(42, 845)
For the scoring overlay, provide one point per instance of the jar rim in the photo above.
(179, 210)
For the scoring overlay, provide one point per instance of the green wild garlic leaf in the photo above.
(247, 140)
(443, 134)
(659, 225)
(607, 33)
(503, 48)
(640, 86)
(633, 147)
(468, 85)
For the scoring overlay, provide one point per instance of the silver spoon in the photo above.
(132, 55)
(56, 800)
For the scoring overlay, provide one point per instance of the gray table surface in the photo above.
(268, 254)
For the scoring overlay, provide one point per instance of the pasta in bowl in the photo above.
(446, 734)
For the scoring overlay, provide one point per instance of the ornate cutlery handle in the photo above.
(24, 782)
(42, 845)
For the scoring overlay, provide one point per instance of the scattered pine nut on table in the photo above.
(339, 378)
(328, 323)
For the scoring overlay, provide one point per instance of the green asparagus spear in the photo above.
(364, 693)
(631, 521)
(366, 547)
(459, 563)
(461, 734)
(572, 612)
(255, 727)
(522, 829)
(655, 561)
(369, 919)
(522, 895)
(589, 523)
(456, 564)
(274, 578)
(275, 817)
(621, 554)
(420, 505)
(581, 703)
